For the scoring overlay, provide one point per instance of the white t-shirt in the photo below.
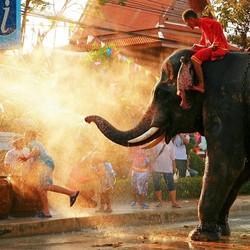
(11, 158)
(180, 148)
(163, 163)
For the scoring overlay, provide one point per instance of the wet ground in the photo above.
(167, 236)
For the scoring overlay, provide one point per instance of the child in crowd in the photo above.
(44, 164)
(141, 169)
(12, 165)
(106, 175)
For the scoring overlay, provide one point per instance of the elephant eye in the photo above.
(160, 94)
(164, 93)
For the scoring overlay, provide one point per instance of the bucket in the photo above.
(6, 197)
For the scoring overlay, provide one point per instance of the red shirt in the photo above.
(212, 33)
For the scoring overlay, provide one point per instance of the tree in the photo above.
(28, 6)
(234, 15)
(42, 8)
(119, 2)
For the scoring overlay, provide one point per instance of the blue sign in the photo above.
(10, 24)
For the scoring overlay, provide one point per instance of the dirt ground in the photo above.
(168, 236)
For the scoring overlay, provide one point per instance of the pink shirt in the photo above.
(141, 161)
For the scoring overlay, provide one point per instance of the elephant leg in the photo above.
(220, 175)
(224, 212)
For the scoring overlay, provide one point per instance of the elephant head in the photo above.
(164, 116)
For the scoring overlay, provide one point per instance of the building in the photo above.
(145, 31)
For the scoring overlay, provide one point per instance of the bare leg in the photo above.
(102, 201)
(44, 200)
(142, 199)
(58, 189)
(199, 73)
(172, 195)
(61, 190)
(107, 197)
(107, 201)
(158, 195)
(135, 196)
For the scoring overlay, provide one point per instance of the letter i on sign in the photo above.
(10, 19)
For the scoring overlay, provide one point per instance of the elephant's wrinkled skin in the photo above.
(222, 114)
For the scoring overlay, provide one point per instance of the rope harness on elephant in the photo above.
(245, 107)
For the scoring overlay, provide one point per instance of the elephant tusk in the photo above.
(144, 136)
(154, 142)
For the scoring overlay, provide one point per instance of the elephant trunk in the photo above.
(118, 136)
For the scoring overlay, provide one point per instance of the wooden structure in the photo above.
(147, 31)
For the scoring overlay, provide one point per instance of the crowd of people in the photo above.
(163, 161)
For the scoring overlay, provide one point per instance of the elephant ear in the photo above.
(167, 73)
(171, 65)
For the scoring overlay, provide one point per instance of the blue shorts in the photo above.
(169, 180)
(49, 162)
(45, 177)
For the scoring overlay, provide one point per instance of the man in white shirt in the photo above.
(180, 142)
(163, 161)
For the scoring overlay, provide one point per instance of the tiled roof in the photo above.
(129, 41)
(115, 23)
(133, 40)
(120, 18)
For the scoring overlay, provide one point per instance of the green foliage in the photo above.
(246, 188)
(186, 188)
(120, 2)
(196, 163)
(38, 5)
(191, 144)
(234, 16)
(101, 55)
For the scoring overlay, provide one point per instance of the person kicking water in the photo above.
(44, 164)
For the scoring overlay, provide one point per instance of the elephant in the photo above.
(221, 114)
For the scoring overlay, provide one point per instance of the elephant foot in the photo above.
(225, 229)
(200, 234)
(223, 224)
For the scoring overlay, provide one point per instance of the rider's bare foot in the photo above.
(197, 88)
